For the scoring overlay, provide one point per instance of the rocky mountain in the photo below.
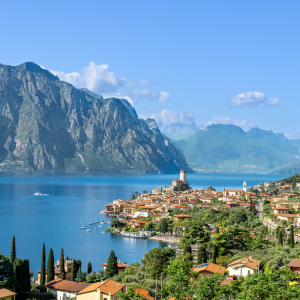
(229, 148)
(49, 125)
(180, 131)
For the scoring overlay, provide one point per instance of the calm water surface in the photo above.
(55, 218)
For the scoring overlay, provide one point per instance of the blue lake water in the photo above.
(55, 218)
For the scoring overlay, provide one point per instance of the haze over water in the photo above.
(55, 218)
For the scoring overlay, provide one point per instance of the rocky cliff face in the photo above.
(48, 125)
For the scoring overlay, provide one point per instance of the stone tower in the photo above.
(245, 186)
(183, 176)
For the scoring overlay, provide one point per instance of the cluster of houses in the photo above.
(160, 202)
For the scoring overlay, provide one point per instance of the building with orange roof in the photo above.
(144, 293)
(63, 289)
(181, 217)
(104, 290)
(121, 266)
(244, 266)
(209, 269)
(7, 294)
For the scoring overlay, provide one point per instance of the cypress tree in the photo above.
(43, 273)
(280, 240)
(217, 230)
(291, 237)
(201, 255)
(50, 266)
(89, 268)
(62, 264)
(27, 275)
(112, 266)
(13, 251)
(214, 255)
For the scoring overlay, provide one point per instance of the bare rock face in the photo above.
(48, 125)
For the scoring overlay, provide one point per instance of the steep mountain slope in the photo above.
(48, 125)
(180, 131)
(229, 148)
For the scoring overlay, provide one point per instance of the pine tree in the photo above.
(201, 255)
(89, 268)
(62, 264)
(13, 251)
(112, 266)
(217, 230)
(43, 273)
(291, 237)
(50, 266)
(163, 226)
(27, 275)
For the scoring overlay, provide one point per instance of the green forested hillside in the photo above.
(229, 148)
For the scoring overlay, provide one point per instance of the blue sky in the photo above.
(178, 61)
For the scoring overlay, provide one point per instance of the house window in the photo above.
(69, 270)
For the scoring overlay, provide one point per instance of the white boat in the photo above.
(37, 194)
(82, 227)
(92, 223)
(89, 230)
(99, 225)
(95, 227)
(97, 222)
(103, 222)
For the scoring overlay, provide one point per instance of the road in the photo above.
(273, 225)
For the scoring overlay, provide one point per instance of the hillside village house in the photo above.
(181, 217)
(209, 269)
(68, 271)
(244, 266)
(232, 192)
(121, 266)
(7, 294)
(104, 290)
(294, 265)
(280, 210)
(63, 289)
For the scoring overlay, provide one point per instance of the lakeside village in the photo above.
(232, 244)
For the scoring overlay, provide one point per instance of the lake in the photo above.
(55, 218)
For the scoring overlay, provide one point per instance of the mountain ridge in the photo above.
(49, 125)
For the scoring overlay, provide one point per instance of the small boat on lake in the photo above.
(89, 230)
(97, 222)
(92, 223)
(96, 228)
(99, 225)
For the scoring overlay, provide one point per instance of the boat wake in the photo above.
(39, 194)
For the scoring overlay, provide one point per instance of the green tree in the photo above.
(291, 237)
(81, 276)
(131, 294)
(13, 251)
(217, 230)
(112, 266)
(8, 279)
(43, 266)
(22, 273)
(157, 260)
(214, 255)
(76, 266)
(50, 266)
(280, 237)
(62, 264)
(89, 268)
(179, 283)
(115, 222)
(201, 255)
(195, 233)
(145, 192)
(163, 226)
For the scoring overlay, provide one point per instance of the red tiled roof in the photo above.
(120, 265)
(107, 286)
(210, 267)
(247, 261)
(66, 285)
(6, 293)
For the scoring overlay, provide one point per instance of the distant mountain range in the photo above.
(49, 125)
(229, 148)
(180, 131)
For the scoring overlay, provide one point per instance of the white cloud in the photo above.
(169, 117)
(98, 79)
(162, 96)
(252, 99)
(227, 120)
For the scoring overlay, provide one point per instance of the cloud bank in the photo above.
(162, 96)
(253, 99)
